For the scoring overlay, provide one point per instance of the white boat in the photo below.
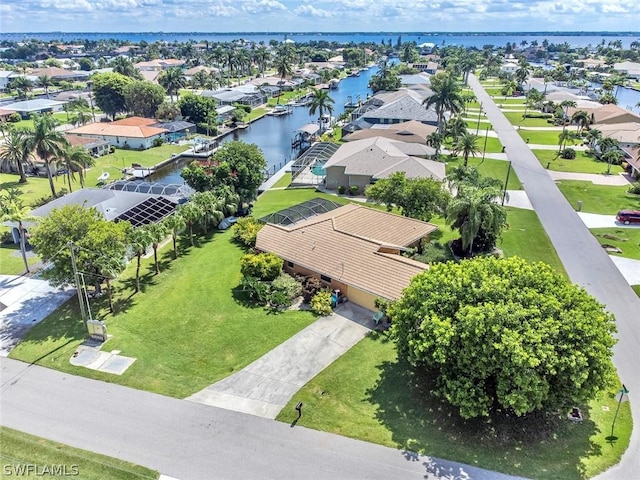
(280, 110)
(104, 176)
(141, 172)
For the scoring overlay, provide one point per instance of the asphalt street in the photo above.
(585, 261)
(187, 440)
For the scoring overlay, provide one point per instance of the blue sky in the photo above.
(317, 15)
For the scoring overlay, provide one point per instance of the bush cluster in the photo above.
(245, 231)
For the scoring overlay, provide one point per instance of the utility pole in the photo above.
(484, 148)
(478, 125)
(504, 192)
(76, 277)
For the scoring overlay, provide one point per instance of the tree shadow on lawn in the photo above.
(536, 446)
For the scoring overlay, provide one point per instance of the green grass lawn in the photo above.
(626, 239)
(11, 259)
(541, 137)
(254, 114)
(603, 199)
(285, 181)
(636, 288)
(516, 119)
(583, 163)
(490, 168)
(368, 394)
(188, 327)
(20, 449)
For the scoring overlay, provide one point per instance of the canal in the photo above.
(273, 134)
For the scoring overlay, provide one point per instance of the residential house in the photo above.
(362, 162)
(429, 67)
(609, 114)
(95, 146)
(509, 67)
(409, 132)
(245, 95)
(631, 69)
(5, 77)
(36, 105)
(5, 113)
(352, 248)
(415, 79)
(397, 107)
(160, 64)
(134, 132)
(628, 136)
(58, 74)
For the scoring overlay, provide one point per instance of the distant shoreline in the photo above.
(558, 33)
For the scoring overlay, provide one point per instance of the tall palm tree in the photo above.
(593, 137)
(174, 223)
(612, 157)
(14, 154)
(456, 127)
(22, 85)
(564, 137)
(261, 56)
(474, 212)
(75, 160)
(191, 213)
(172, 80)
(124, 66)
(446, 97)
(13, 210)
(45, 82)
(467, 143)
(435, 141)
(157, 232)
(581, 118)
(283, 67)
(46, 142)
(139, 240)
(210, 206)
(321, 103)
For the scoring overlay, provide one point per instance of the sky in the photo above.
(318, 15)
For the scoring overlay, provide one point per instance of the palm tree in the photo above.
(5, 127)
(45, 82)
(467, 143)
(581, 118)
(14, 154)
(124, 66)
(455, 128)
(283, 68)
(139, 240)
(321, 103)
(46, 142)
(612, 157)
(172, 80)
(446, 97)
(593, 137)
(22, 85)
(157, 232)
(475, 214)
(210, 206)
(191, 213)
(13, 210)
(435, 141)
(76, 159)
(174, 223)
(564, 137)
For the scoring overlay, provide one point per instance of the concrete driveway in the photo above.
(595, 220)
(24, 302)
(264, 387)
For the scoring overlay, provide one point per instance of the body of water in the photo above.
(273, 135)
(578, 39)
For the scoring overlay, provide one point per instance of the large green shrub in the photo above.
(287, 285)
(245, 231)
(634, 188)
(263, 266)
(321, 303)
(568, 154)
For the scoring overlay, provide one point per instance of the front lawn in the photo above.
(542, 137)
(20, 450)
(369, 395)
(11, 262)
(583, 163)
(516, 119)
(626, 239)
(490, 168)
(604, 199)
(189, 327)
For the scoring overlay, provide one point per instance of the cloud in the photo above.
(311, 11)
(256, 7)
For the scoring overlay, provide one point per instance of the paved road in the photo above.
(584, 260)
(187, 440)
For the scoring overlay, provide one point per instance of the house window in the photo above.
(290, 264)
(324, 278)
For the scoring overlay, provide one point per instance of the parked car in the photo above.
(628, 216)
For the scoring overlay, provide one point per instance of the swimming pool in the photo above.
(318, 169)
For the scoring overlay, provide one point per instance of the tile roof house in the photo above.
(160, 64)
(410, 132)
(362, 162)
(134, 132)
(353, 248)
(56, 73)
(35, 105)
(230, 96)
(609, 114)
(628, 136)
(94, 146)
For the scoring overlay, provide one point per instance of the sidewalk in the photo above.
(264, 387)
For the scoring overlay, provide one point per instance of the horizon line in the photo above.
(383, 32)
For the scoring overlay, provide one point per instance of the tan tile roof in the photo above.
(344, 244)
(628, 132)
(608, 113)
(411, 132)
(134, 127)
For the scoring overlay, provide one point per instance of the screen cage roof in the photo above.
(172, 190)
(300, 212)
